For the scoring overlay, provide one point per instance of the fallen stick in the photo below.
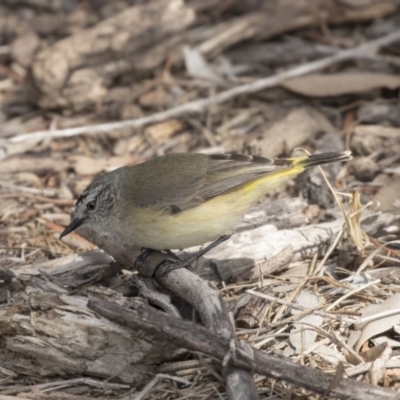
(207, 301)
(198, 106)
(193, 337)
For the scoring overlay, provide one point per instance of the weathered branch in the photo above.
(206, 299)
(188, 335)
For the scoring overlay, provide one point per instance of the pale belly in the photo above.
(183, 230)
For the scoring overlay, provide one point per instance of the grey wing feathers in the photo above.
(166, 181)
(230, 171)
(182, 181)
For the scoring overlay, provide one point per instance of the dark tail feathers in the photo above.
(325, 158)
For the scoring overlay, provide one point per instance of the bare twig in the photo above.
(324, 314)
(57, 385)
(350, 293)
(364, 50)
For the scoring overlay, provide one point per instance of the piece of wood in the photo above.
(206, 299)
(286, 213)
(250, 315)
(188, 335)
(260, 247)
(68, 264)
(61, 336)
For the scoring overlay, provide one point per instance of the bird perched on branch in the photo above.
(182, 200)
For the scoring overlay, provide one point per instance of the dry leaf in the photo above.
(388, 195)
(319, 85)
(378, 368)
(198, 67)
(297, 127)
(156, 98)
(352, 282)
(374, 353)
(330, 354)
(91, 166)
(160, 133)
(380, 325)
(302, 336)
(24, 47)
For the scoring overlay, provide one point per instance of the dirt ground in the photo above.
(312, 279)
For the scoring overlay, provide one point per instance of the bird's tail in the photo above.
(322, 158)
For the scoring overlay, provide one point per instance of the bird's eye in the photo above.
(91, 205)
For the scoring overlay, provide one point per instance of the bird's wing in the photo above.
(173, 179)
(230, 171)
(181, 181)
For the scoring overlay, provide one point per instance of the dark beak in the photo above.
(76, 223)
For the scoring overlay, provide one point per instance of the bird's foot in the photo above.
(168, 265)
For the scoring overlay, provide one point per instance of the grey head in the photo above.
(95, 205)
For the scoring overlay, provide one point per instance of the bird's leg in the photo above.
(167, 266)
(145, 252)
(170, 253)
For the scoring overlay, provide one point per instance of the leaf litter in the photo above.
(311, 309)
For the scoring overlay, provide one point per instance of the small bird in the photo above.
(182, 200)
